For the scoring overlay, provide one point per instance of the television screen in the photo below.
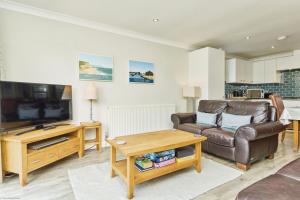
(32, 104)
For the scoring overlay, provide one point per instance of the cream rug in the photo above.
(94, 182)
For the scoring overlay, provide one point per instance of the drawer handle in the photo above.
(35, 161)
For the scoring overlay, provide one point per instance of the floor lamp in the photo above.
(191, 93)
(91, 95)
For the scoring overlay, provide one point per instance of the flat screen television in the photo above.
(33, 104)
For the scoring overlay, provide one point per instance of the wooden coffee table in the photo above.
(137, 145)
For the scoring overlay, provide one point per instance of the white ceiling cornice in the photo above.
(22, 8)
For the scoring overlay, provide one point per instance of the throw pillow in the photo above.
(231, 121)
(207, 118)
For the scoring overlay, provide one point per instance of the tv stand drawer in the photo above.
(70, 148)
(52, 153)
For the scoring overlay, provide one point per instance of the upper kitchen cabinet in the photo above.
(238, 71)
(265, 71)
(271, 75)
(285, 63)
(258, 72)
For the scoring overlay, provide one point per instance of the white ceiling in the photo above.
(196, 23)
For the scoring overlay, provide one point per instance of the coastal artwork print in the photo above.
(141, 72)
(96, 68)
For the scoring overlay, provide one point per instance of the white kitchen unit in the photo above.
(238, 71)
(207, 71)
(265, 71)
(296, 61)
(271, 75)
(285, 63)
(258, 72)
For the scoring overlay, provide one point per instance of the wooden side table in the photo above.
(98, 140)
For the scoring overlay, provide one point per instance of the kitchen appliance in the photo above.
(255, 93)
(238, 93)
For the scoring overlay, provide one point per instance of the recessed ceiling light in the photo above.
(248, 37)
(282, 37)
(155, 20)
(272, 47)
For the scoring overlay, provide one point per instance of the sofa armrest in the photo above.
(259, 130)
(180, 118)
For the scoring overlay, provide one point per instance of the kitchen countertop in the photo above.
(245, 98)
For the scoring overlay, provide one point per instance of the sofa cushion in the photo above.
(231, 121)
(194, 128)
(220, 136)
(291, 170)
(207, 118)
(259, 110)
(273, 187)
(213, 106)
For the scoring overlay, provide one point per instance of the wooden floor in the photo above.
(52, 182)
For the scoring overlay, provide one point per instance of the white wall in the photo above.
(40, 50)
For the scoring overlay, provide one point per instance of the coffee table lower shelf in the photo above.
(120, 167)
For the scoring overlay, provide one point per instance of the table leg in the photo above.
(23, 168)
(81, 134)
(198, 157)
(296, 135)
(130, 176)
(98, 138)
(1, 168)
(112, 160)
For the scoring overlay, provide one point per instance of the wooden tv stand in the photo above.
(19, 159)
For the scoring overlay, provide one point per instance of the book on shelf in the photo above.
(182, 159)
(141, 169)
(165, 163)
(144, 162)
(184, 151)
(158, 156)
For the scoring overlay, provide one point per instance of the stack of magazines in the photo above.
(162, 159)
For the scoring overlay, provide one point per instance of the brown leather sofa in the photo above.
(245, 145)
(284, 185)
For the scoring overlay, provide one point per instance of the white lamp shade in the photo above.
(90, 91)
(191, 91)
(67, 93)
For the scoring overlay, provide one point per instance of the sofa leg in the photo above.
(270, 156)
(241, 166)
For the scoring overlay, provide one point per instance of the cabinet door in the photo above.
(258, 73)
(247, 71)
(240, 71)
(270, 71)
(296, 62)
(231, 71)
(284, 63)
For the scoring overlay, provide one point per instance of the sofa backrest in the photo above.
(260, 110)
(212, 106)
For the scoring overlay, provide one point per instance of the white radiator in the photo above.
(126, 120)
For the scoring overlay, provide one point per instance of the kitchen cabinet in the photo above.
(285, 63)
(271, 75)
(238, 71)
(258, 72)
(296, 61)
(265, 71)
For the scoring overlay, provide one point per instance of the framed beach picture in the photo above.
(141, 72)
(95, 68)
